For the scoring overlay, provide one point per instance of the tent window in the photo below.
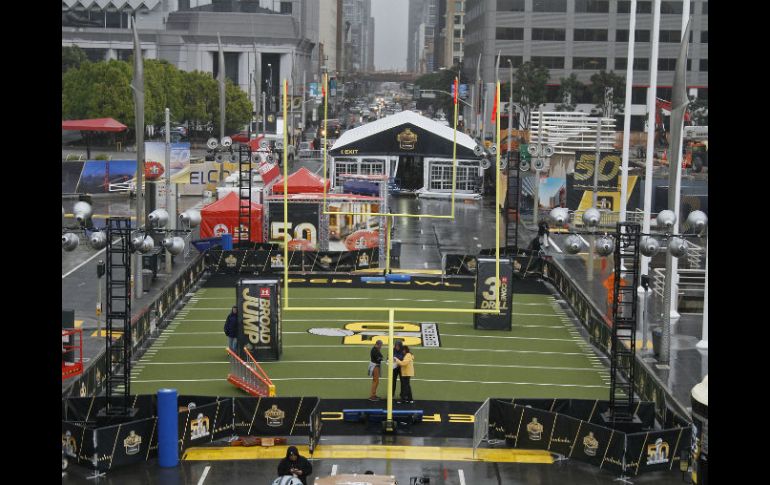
(441, 176)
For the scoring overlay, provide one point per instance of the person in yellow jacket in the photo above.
(407, 372)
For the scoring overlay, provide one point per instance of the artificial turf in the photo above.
(543, 355)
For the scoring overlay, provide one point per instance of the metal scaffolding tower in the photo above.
(118, 313)
(624, 307)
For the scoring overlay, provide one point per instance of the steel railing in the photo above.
(249, 375)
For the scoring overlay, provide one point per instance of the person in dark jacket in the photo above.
(375, 361)
(231, 329)
(398, 354)
(295, 464)
(542, 232)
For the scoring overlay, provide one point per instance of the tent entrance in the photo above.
(409, 175)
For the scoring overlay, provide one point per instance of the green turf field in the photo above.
(542, 357)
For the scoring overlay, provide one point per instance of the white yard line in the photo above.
(203, 476)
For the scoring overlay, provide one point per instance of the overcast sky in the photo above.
(391, 18)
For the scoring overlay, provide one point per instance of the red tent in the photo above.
(221, 217)
(98, 124)
(302, 182)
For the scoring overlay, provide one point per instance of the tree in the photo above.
(529, 89)
(163, 89)
(98, 90)
(72, 57)
(600, 82)
(570, 91)
(441, 81)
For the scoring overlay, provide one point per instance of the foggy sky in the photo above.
(391, 18)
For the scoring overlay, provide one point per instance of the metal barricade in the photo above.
(480, 425)
(249, 375)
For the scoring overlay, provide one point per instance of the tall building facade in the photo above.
(422, 35)
(583, 37)
(452, 25)
(359, 39)
(413, 35)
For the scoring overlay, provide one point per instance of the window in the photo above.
(457, 33)
(285, 7)
(371, 167)
(672, 7)
(344, 166)
(510, 5)
(704, 65)
(704, 37)
(516, 61)
(669, 64)
(95, 55)
(638, 95)
(548, 34)
(673, 36)
(593, 63)
(509, 33)
(458, 46)
(621, 35)
(549, 5)
(641, 7)
(441, 176)
(548, 61)
(599, 35)
(592, 6)
(640, 64)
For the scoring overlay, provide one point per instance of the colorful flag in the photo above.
(494, 109)
(456, 89)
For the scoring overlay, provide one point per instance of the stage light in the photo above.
(212, 143)
(69, 241)
(591, 217)
(666, 220)
(573, 244)
(677, 247)
(137, 243)
(158, 217)
(191, 217)
(559, 216)
(227, 142)
(98, 240)
(698, 221)
(649, 246)
(605, 245)
(82, 212)
(174, 245)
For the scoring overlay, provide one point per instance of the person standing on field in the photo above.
(407, 372)
(375, 361)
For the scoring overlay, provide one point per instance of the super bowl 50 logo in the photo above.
(657, 452)
(367, 333)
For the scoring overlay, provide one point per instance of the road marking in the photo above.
(462, 476)
(82, 264)
(555, 246)
(203, 477)
(334, 469)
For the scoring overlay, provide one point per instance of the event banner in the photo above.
(271, 261)
(204, 423)
(486, 295)
(699, 442)
(127, 443)
(590, 443)
(275, 416)
(259, 316)
(661, 449)
(304, 223)
(155, 158)
(535, 429)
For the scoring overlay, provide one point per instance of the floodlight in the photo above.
(649, 246)
(573, 244)
(591, 217)
(559, 216)
(677, 247)
(98, 240)
(697, 220)
(174, 245)
(69, 241)
(666, 219)
(82, 212)
(158, 217)
(191, 217)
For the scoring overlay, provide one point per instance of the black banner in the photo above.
(487, 293)
(126, 443)
(304, 222)
(205, 423)
(271, 261)
(535, 429)
(77, 443)
(699, 442)
(277, 416)
(504, 420)
(661, 450)
(614, 455)
(563, 434)
(259, 318)
(590, 443)
(315, 427)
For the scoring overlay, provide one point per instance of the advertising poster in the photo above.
(155, 158)
(70, 176)
(486, 295)
(303, 224)
(97, 175)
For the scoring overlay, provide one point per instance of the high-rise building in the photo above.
(584, 37)
(451, 26)
(359, 43)
(423, 25)
(413, 28)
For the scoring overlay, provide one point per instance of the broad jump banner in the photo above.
(259, 316)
